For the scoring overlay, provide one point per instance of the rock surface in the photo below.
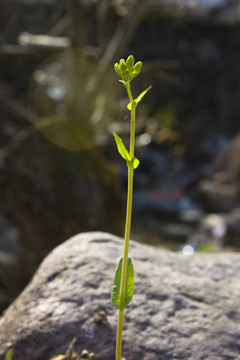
(183, 307)
(221, 193)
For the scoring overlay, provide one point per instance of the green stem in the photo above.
(132, 137)
(127, 234)
(119, 335)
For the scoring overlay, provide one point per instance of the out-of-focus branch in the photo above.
(17, 109)
(123, 33)
(118, 42)
(10, 49)
(44, 41)
(35, 2)
(160, 70)
(14, 141)
(12, 104)
(34, 44)
(60, 26)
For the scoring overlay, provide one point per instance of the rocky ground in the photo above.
(183, 307)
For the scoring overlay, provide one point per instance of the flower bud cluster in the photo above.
(127, 70)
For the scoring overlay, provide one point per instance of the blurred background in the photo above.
(60, 101)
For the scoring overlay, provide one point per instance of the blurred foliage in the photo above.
(207, 248)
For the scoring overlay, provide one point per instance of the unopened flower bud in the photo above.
(117, 69)
(137, 67)
(130, 62)
(122, 65)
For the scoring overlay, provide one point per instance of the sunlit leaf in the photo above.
(129, 285)
(139, 98)
(135, 162)
(122, 148)
(134, 103)
(131, 105)
(130, 159)
(9, 355)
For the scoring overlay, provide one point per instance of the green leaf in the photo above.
(130, 159)
(139, 98)
(129, 285)
(122, 148)
(132, 105)
(9, 355)
(135, 162)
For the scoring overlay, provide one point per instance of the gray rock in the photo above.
(227, 165)
(183, 307)
(221, 193)
(218, 197)
(233, 229)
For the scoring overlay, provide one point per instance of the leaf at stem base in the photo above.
(117, 285)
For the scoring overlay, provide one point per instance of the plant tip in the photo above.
(130, 62)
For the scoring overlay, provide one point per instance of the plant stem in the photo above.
(119, 335)
(127, 233)
(132, 136)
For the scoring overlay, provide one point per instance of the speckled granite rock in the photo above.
(183, 307)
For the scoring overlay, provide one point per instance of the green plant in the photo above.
(9, 354)
(123, 287)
